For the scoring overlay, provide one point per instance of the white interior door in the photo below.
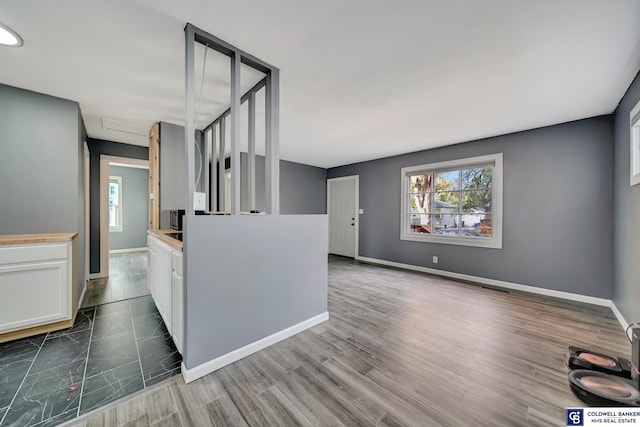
(342, 208)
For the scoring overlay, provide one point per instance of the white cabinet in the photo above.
(165, 284)
(36, 287)
(151, 262)
(177, 309)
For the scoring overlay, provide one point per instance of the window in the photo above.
(457, 202)
(115, 203)
(634, 149)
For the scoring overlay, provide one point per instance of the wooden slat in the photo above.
(154, 177)
(17, 239)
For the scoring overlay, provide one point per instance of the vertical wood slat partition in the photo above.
(251, 176)
(235, 134)
(205, 165)
(154, 177)
(213, 199)
(221, 165)
(272, 154)
(190, 125)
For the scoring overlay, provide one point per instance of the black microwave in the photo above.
(176, 218)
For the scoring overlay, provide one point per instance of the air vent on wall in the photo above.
(123, 127)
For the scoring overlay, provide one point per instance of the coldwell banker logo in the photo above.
(575, 417)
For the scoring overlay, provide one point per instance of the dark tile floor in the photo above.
(112, 350)
(127, 279)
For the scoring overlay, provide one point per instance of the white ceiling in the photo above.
(359, 79)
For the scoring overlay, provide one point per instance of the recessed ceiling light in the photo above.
(8, 37)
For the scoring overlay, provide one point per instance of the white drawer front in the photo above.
(14, 254)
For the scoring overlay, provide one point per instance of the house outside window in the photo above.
(115, 203)
(456, 202)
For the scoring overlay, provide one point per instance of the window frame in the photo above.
(634, 146)
(495, 241)
(118, 226)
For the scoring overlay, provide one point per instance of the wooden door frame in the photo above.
(154, 177)
(105, 161)
(87, 219)
(356, 196)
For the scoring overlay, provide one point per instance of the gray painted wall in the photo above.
(173, 167)
(42, 166)
(626, 293)
(173, 178)
(97, 147)
(303, 188)
(558, 209)
(135, 208)
(229, 305)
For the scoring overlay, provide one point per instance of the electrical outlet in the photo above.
(435, 259)
(199, 201)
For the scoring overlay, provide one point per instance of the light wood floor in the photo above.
(127, 279)
(400, 348)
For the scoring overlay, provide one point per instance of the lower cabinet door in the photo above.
(165, 286)
(177, 311)
(151, 262)
(33, 290)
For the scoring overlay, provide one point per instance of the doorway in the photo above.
(342, 208)
(105, 164)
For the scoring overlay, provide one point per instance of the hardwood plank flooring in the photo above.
(127, 279)
(400, 349)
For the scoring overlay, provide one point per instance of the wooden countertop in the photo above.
(161, 234)
(18, 239)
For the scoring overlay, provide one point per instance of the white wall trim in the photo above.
(84, 290)
(87, 212)
(493, 282)
(620, 317)
(126, 161)
(200, 371)
(124, 251)
(634, 145)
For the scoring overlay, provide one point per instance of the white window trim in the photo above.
(118, 228)
(634, 145)
(495, 241)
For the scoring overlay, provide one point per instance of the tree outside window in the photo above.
(454, 202)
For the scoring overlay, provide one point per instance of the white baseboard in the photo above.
(492, 282)
(97, 276)
(84, 289)
(620, 317)
(124, 251)
(200, 371)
